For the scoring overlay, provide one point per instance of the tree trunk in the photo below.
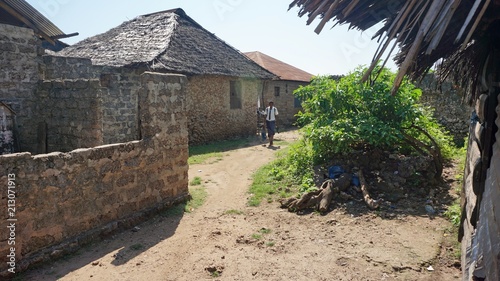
(319, 199)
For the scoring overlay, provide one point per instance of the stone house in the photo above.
(23, 31)
(68, 198)
(281, 90)
(223, 84)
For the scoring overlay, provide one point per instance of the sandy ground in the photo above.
(210, 244)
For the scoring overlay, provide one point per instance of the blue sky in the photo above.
(248, 25)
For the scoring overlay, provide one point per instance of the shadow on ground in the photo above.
(125, 245)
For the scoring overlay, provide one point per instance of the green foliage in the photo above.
(270, 243)
(280, 177)
(261, 186)
(341, 115)
(195, 181)
(198, 197)
(265, 230)
(256, 236)
(453, 213)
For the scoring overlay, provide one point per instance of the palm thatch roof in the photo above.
(281, 69)
(460, 34)
(166, 41)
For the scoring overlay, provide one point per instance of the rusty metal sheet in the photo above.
(488, 229)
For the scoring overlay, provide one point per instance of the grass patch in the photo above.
(256, 236)
(196, 181)
(265, 230)
(269, 183)
(453, 213)
(198, 197)
(233, 212)
(200, 153)
(270, 243)
(262, 186)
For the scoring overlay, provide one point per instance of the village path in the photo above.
(221, 237)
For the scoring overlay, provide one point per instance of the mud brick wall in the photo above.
(64, 200)
(20, 54)
(210, 115)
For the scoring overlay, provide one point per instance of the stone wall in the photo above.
(119, 104)
(285, 101)
(210, 115)
(449, 108)
(19, 61)
(68, 114)
(63, 200)
(65, 103)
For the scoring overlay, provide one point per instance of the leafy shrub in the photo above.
(341, 115)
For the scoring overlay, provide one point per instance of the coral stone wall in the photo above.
(61, 199)
(210, 115)
(68, 114)
(284, 101)
(19, 63)
(449, 108)
(119, 104)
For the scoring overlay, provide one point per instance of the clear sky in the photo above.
(247, 25)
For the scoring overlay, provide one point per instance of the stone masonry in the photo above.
(210, 116)
(449, 108)
(64, 200)
(19, 76)
(284, 100)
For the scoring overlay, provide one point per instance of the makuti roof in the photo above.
(166, 41)
(20, 13)
(283, 70)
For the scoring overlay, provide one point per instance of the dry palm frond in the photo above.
(425, 31)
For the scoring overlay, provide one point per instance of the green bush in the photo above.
(341, 115)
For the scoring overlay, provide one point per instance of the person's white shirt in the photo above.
(271, 116)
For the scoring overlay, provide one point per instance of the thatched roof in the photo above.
(20, 13)
(281, 69)
(166, 41)
(462, 33)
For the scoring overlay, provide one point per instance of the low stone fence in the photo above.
(51, 204)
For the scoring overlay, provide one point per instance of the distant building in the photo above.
(223, 84)
(281, 91)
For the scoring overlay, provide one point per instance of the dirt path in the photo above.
(342, 245)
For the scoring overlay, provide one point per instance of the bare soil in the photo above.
(227, 240)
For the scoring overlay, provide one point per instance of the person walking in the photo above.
(271, 112)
